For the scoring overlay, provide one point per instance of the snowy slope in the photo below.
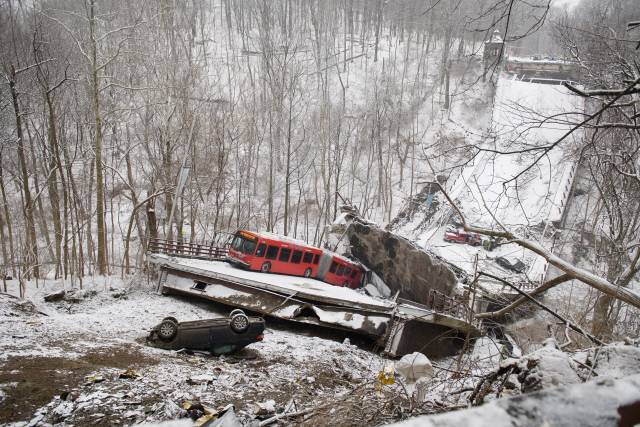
(526, 199)
(495, 185)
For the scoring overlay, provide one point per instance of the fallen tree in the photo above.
(615, 291)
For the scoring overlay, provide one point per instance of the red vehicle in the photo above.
(271, 253)
(461, 236)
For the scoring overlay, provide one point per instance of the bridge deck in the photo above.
(399, 326)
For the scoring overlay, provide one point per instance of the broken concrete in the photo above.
(403, 266)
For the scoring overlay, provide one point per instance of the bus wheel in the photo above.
(307, 272)
(266, 267)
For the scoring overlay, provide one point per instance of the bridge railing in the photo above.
(445, 304)
(187, 249)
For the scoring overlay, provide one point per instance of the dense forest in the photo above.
(280, 110)
(123, 121)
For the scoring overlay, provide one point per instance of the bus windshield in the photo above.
(244, 245)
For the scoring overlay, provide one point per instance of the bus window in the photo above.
(347, 271)
(285, 253)
(340, 270)
(308, 257)
(316, 258)
(295, 258)
(243, 244)
(354, 273)
(333, 267)
(272, 252)
(261, 248)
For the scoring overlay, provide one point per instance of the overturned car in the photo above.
(218, 336)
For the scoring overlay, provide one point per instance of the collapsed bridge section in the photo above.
(400, 326)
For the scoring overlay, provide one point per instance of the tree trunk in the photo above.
(100, 202)
(7, 219)
(52, 184)
(31, 240)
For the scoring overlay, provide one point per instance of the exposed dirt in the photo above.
(32, 382)
(49, 359)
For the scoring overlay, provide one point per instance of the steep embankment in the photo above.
(516, 177)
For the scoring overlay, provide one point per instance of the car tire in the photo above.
(266, 267)
(173, 319)
(307, 273)
(239, 323)
(167, 330)
(235, 311)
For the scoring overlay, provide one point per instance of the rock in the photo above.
(62, 411)
(88, 293)
(55, 296)
(200, 379)
(93, 379)
(132, 414)
(403, 266)
(129, 374)
(546, 367)
(119, 293)
(172, 410)
(615, 360)
(414, 366)
(265, 408)
(73, 296)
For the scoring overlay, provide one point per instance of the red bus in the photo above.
(271, 253)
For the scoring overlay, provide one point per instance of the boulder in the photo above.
(55, 296)
(402, 265)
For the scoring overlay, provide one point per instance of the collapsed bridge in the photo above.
(436, 327)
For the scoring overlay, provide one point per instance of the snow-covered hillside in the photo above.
(498, 187)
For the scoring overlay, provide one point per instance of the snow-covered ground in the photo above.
(61, 362)
(103, 335)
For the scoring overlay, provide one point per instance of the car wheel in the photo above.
(167, 330)
(307, 272)
(236, 311)
(173, 319)
(239, 323)
(266, 267)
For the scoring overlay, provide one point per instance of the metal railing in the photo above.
(187, 249)
(441, 303)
